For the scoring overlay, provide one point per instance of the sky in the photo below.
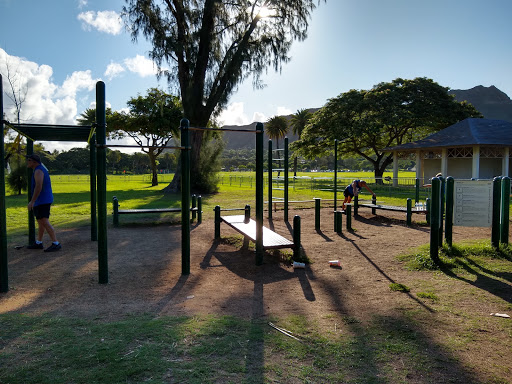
(61, 48)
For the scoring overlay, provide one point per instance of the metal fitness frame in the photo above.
(185, 189)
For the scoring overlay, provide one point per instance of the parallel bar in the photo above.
(31, 220)
(434, 220)
(286, 185)
(92, 182)
(224, 130)
(259, 195)
(496, 206)
(505, 202)
(448, 232)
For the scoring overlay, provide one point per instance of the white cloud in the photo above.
(113, 70)
(141, 65)
(234, 114)
(283, 111)
(259, 117)
(45, 102)
(104, 21)
(82, 4)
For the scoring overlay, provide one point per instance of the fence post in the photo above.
(296, 237)
(505, 203)
(409, 212)
(496, 206)
(259, 194)
(199, 209)
(269, 172)
(115, 204)
(449, 211)
(217, 222)
(247, 214)
(417, 196)
(441, 215)
(194, 207)
(339, 221)
(348, 212)
(374, 202)
(356, 205)
(434, 220)
(286, 184)
(317, 213)
(427, 214)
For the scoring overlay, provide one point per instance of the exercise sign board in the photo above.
(472, 203)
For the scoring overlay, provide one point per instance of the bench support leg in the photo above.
(115, 204)
(296, 237)
(409, 212)
(217, 222)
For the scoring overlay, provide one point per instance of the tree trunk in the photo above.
(295, 167)
(154, 178)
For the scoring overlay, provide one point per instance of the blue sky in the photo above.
(61, 48)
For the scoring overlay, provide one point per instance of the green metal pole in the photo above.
(115, 208)
(185, 197)
(296, 237)
(217, 222)
(199, 209)
(92, 178)
(434, 220)
(429, 208)
(4, 271)
(409, 212)
(348, 212)
(356, 205)
(417, 196)
(270, 162)
(505, 204)
(286, 184)
(317, 213)
(496, 206)
(259, 194)
(448, 233)
(101, 137)
(441, 215)
(339, 221)
(194, 206)
(31, 219)
(335, 175)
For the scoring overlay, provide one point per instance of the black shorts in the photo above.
(41, 211)
(346, 193)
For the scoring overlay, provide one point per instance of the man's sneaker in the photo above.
(53, 248)
(35, 246)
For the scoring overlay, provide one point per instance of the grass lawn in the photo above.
(225, 349)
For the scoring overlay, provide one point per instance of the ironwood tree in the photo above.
(205, 49)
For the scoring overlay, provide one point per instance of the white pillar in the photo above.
(444, 162)
(395, 169)
(505, 162)
(419, 166)
(475, 173)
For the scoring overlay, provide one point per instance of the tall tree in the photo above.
(298, 122)
(207, 48)
(389, 114)
(152, 122)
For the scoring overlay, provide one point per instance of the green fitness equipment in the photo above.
(274, 156)
(448, 232)
(4, 275)
(496, 207)
(505, 203)
(435, 219)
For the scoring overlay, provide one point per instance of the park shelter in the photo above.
(472, 148)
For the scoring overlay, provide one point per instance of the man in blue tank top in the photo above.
(42, 199)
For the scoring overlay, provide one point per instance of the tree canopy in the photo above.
(152, 121)
(206, 49)
(365, 122)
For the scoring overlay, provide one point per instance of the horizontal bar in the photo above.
(224, 130)
(231, 209)
(136, 146)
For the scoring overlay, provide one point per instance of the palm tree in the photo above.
(298, 123)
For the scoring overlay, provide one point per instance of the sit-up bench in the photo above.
(408, 210)
(116, 211)
(247, 227)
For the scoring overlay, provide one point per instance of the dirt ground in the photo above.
(145, 273)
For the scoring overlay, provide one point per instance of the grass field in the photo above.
(224, 349)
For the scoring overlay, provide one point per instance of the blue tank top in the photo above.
(351, 190)
(46, 195)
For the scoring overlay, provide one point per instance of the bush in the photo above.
(17, 179)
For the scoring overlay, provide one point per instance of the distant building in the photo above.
(472, 148)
